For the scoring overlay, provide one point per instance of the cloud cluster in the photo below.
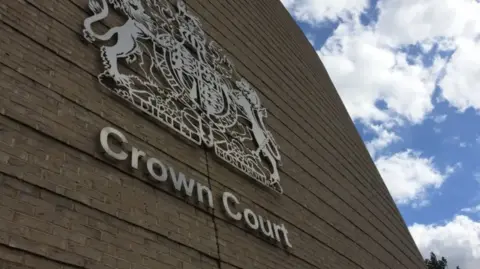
(460, 84)
(408, 176)
(384, 86)
(458, 240)
(440, 118)
(429, 21)
(383, 139)
(452, 25)
(319, 11)
(365, 70)
(368, 63)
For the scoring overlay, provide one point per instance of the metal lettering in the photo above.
(104, 135)
(150, 167)
(225, 198)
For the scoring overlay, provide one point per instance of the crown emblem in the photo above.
(174, 75)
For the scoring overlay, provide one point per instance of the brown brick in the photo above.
(109, 260)
(84, 251)
(10, 255)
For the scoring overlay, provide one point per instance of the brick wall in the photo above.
(64, 205)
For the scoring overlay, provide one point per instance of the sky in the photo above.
(406, 72)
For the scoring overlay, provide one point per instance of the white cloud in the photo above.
(457, 240)
(383, 140)
(420, 204)
(440, 118)
(460, 83)
(474, 209)
(411, 21)
(409, 176)
(456, 140)
(450, 169)
(476, 177)
(288, 3)
(366, 70)
(451, 24)
(311, 39)
(318, 11)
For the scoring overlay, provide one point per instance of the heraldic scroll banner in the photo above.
(175, 76)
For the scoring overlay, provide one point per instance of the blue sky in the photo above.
(406, 71)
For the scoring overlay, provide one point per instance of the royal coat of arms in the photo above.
(175, 76)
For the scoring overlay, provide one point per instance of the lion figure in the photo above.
(136, 27)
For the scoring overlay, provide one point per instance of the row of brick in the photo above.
(62, 230)
(125, 207)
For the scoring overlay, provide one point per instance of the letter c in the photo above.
(227, 195)
(122, 155)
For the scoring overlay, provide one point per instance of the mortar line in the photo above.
(219, 263)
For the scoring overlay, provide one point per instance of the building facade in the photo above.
(170, 134)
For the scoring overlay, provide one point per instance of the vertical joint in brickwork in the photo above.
(219, 263)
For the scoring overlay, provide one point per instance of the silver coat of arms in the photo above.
(175, 76)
